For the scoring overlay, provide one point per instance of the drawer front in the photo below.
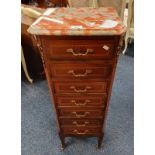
(81, 122)
(83, 49)
(82, 131)
(81, 88)
(81, 101)
(80, 113)
(82, 70)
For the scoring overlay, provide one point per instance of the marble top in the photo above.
(78, 21)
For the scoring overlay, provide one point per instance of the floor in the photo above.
(39, 130)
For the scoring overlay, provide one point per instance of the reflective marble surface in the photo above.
(78, 21)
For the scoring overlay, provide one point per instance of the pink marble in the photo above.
(78, 21)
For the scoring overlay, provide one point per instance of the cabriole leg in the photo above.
(62, 139)
(100, 139)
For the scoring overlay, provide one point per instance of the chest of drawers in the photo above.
(80, 70)
(80, 82)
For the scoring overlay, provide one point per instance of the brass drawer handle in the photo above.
(79, 104)
(70, 50)
(80, 90)
(80, 125)
(80, 75)
(80, 133)
(80, 115)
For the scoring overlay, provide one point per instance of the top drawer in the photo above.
(75, 49)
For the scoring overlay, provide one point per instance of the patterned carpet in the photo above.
(39, 130)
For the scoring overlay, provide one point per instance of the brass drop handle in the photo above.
(80, 133)
(80, 115)
(80, 90)
(79, 104)
(70, 50)
(80, 125)
(80, 75)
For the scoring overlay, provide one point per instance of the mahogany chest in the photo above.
(80, 70)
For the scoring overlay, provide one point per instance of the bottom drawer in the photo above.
(82, 131)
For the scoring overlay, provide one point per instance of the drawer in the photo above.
(81, 122)
(81, 70)
(81, 131)
(83, 49)
(81, 101)
(81, 87)
(80, 113)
